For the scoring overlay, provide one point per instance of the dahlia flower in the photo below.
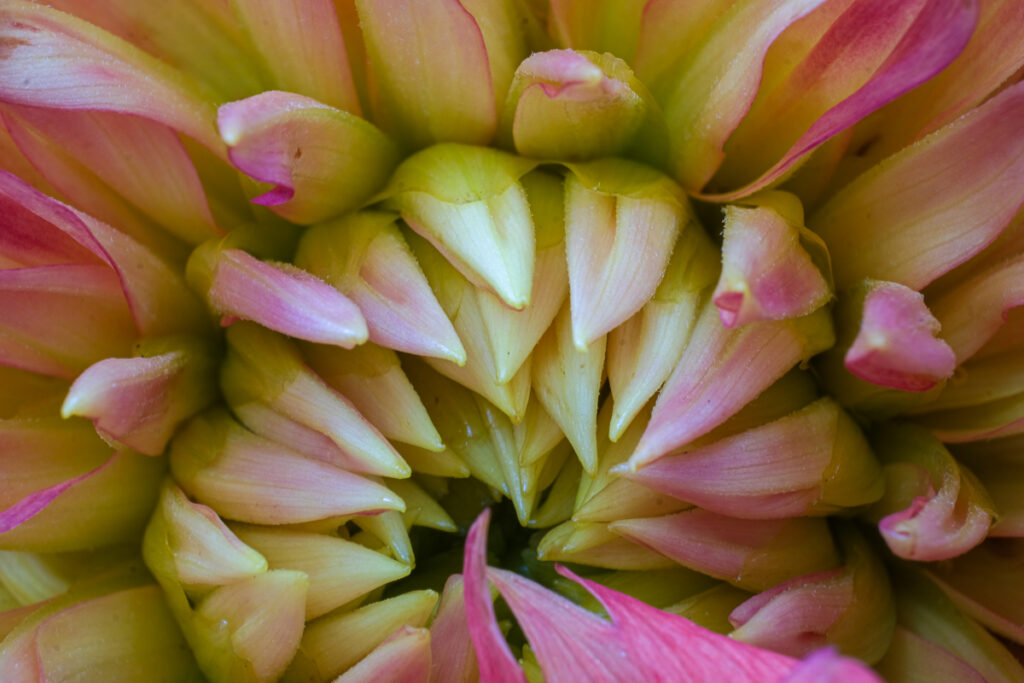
(511, 340)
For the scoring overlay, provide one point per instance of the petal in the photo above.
(141, 401)
(933, 205)
(720, 371)
(309, 151)
(936, 35)
(403, 658)
(617, 214)
(600, 25)
(279, 296)
(303, 48)
(453, 659)
(366, 257)
(54, 60)
(897, 343)
(429, 63)
(750, 554)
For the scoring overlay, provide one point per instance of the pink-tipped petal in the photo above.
(897, 345)
(720, 371)
(322, 161)
(938, 34)
(828, 666)
(282, 298)
(766, 273)
(934, 205)
(139, 402)
(54, 60)
(974, 311)
(403, 658)
(704, 102)
(120, 149)
(429, 63)
(639, 643)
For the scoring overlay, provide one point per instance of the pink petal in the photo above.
(54, 60)
(766, 273)
(720, 371)
(937, 36)
(453, 659)
(974, 311)
(283, 298)
(403, 658)
(120, 149)
(430, 67)
(160, 301)
(139, 402)
(639, 643)
(828, 666)
(897, 345)
(322, 161)
(934, 205)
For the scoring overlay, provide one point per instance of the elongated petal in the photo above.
(975, 310)
(160, 302)
(308, 150)
(55, 60)
(64, 489)
(365, 256)
(567, 382)
(889, 224)
(235, 472)
(934, 508)
(766, 273)
(263, 614)
(403, 658)
(643, 350)
(795, 466)
(616, 213)
(335, 642)
(120, 149)
(750, 554)
(279, 296)
(205, 551)
(303, 47)
(639, 641)
(452, 656)
(851, 608)
(602, 26)
(339, 571)
(705, 100)
(139, 402)
(937, 34)
(720, 371)
(430, 68)
(270, 389)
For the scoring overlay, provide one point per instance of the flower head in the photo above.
(716, 302)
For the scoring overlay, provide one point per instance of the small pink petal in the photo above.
(34, 503)
(322, 161)
(766, 273)
(284, 298)
(403, 658)
(828, 666)
(453, 659)
(897, 345)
